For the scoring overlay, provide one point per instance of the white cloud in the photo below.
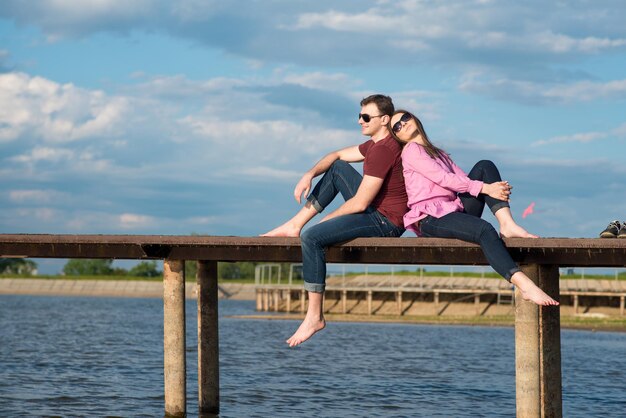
(35, 196)
(135, 221)
(543, 93)
(55, 112)
(269, 173)
(533, 33)
(322, 81)
(584, 137)
(368, 21)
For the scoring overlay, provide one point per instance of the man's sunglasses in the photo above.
(366, 118)
(398, 125)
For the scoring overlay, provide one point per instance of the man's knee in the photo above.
(308, 238)
(339, 165)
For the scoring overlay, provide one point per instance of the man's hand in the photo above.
(303, 187)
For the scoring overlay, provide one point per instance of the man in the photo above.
(374, 203)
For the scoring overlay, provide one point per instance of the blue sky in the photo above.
(155, 117)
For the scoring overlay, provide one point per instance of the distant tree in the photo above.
(145, 269)
(88, 267)
(17, 266)
(238, 270)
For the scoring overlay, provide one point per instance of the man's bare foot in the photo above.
(306, 330)
(515, 231)
(530, 291)
(285, 230)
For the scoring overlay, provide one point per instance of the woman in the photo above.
(447, 203)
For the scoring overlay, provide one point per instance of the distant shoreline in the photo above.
(113, 288)
(246, 291)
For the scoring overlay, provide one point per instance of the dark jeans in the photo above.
(342, 178)
(469, 226)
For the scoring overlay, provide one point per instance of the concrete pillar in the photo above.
(621, 305)
(576, 304)
(276, 299)
(266, 300)
(208, 339)
(344, 301)
(550, 346)
(399, 300)
(174, 338)
(527, 386)
(288, 302)
(538, 349)
(259, 299)
(369, 302)
(477, 304)
(436, 299)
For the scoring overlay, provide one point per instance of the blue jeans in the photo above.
(468, 225)
(342, 178)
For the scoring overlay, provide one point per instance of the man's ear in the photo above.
(384, 119)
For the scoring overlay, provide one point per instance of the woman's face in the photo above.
(406, 124)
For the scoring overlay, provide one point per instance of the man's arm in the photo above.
(369, 188)
(350, 154)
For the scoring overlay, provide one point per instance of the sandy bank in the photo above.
(113, 288)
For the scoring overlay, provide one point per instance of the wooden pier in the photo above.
(374, 294)
(537, 329)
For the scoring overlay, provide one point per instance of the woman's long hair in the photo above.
(434, 152)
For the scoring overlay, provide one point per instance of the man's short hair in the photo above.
(382, 102)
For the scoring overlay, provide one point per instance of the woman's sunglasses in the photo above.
(366, 118)
(398, 125)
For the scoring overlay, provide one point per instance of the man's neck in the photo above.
(382, 134)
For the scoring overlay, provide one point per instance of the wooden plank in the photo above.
(575, 252)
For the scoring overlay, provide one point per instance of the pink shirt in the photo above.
(432, 187)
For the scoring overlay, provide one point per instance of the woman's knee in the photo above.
(486, 164)
(488, 232)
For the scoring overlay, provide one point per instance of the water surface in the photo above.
(75, 356)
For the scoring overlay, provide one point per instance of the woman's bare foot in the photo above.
(306, 330)
(513, 230)
(530, 291)
(285, 230)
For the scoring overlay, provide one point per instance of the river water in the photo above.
(75, 356)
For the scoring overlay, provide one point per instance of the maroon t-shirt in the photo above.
(382, 160)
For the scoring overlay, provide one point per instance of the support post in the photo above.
(399, 299)
(369, 302)
(621, 305)
(344, 301)
(288, 301)
(477, 303)
(550, 345)
(266, 300)
(302, 301)
(538, 348)
(259, 299)
(527, 386)
(174, 338)
(208, 339)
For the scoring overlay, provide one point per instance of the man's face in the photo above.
(375, 123)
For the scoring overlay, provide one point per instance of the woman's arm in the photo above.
(415, 158)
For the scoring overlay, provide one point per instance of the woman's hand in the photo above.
(500, 190)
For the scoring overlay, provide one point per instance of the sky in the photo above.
(199, 116)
